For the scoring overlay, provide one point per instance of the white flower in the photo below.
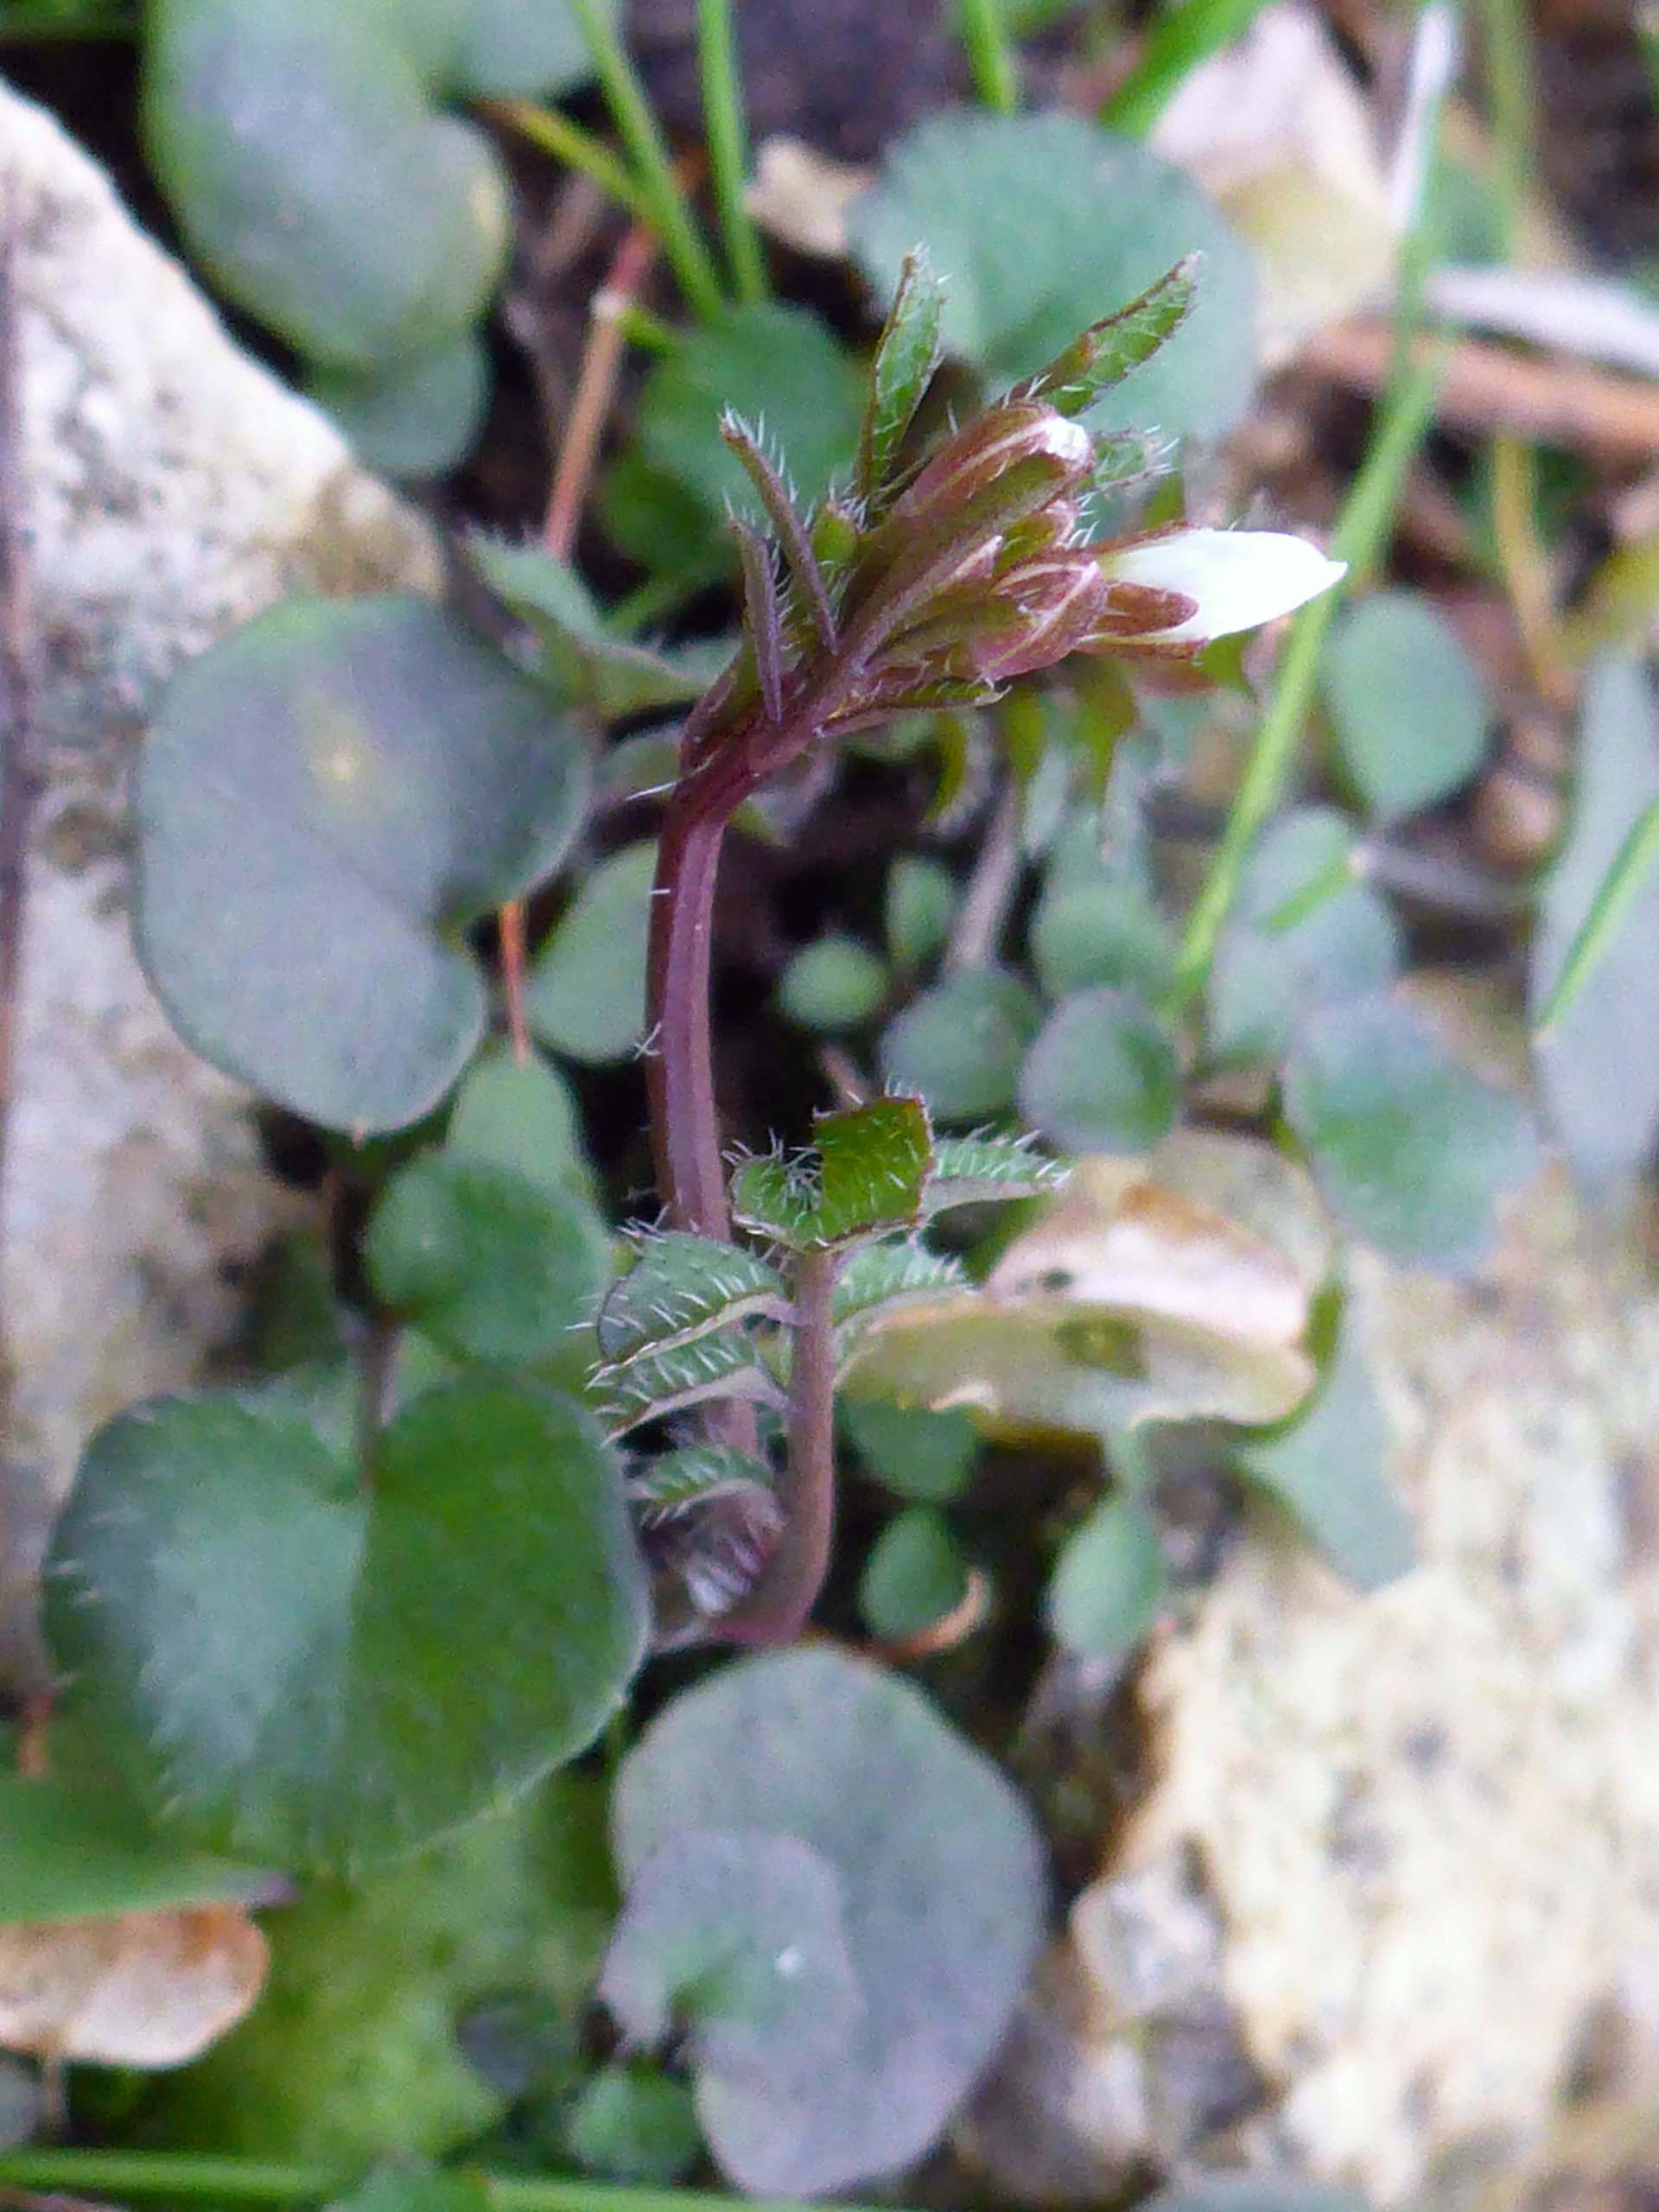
(1239, 578)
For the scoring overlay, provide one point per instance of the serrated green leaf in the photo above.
(985, 1170)
(613, 675)
(653, 1384)
(1414, 1151)
(680, 1287)
(876, 1277)
(490, 1265)
(905, 358)
(866, 1174)
(1108, 1581)
(70, 1852)
(960, 1044)
(1103, 1075)
(937, 1869)
(1109, 349)
(914, 1576)
(284, 1662)
(1328, 1464)
(586, 995)
(673, 1482)
(1599, 1061)
(343, 786)
(1407, 701)
(1045, 223)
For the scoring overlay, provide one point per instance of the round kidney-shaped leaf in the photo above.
(1103, 1075)
(1043, 224)
(960, 1045)
(290, 1664)
(1407, 701)
(325, 800)
(1413, 1149)
(941, 1891)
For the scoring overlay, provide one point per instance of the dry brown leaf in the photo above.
(1175, 1289)
(133, 1989)
(801, 196)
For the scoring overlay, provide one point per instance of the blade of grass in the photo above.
(1607, 910)
(722, 110)
(666, 207)
(554, 133)
(1360, 537)
(1506, 36)
(991, 58)
(253, 2181)
(1182, 37)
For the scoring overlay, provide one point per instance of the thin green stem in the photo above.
(1182, 37)
(991, 57)
(666, 207)
(722, 111)
(253, 2181)
(554, 133)
(1507, 37)
(1361, 535)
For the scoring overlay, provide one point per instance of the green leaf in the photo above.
(941, 1886)
(921, 905)
(1103, 1075)
(866, 1174)
(631, 2123)
(1103, 929)
(905, 358)
(914, 1576)
(519, 1117)
(1045, 223)
(414, 415)
(834, 984)
(960, 1044)
(877, 1277)
(777, 366)
(326, 799)
(379, 229)
(515, 46)
(586, 991)
(674, 1482)
(680, 1287)
(1108, 1582)
(1407, 701)
(1413, 1150)
(70, 1852)
(1328, 1464)
(611, 674)
(925, 1456)
(1110, 348)
(988, 1170)
(1619, 890)
(353, 2053)
(1304, 932)
(655, 1383)
(492, 1266)
(1598, 1060)
(288, 1664)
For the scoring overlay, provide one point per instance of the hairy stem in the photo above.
(777, 1609)
(680, 1065)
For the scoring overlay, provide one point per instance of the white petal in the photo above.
(1239, 578)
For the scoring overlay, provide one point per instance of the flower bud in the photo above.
(1213, 582)
(987, 448)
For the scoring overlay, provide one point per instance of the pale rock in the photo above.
(172, 487)
(1399, 1854)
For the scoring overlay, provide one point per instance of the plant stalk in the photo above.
(722, 109)
(990, 55)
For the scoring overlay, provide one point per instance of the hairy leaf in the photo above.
(653, 1384)
(866, 1174)
(681, 1287)
(1108, 349)
(907, 354)
(981, 1170)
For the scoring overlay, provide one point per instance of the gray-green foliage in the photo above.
(324, 802)
(927, 1879)
(310, 155)
(1407, 701)
(1043, 221)
(285, 1659)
